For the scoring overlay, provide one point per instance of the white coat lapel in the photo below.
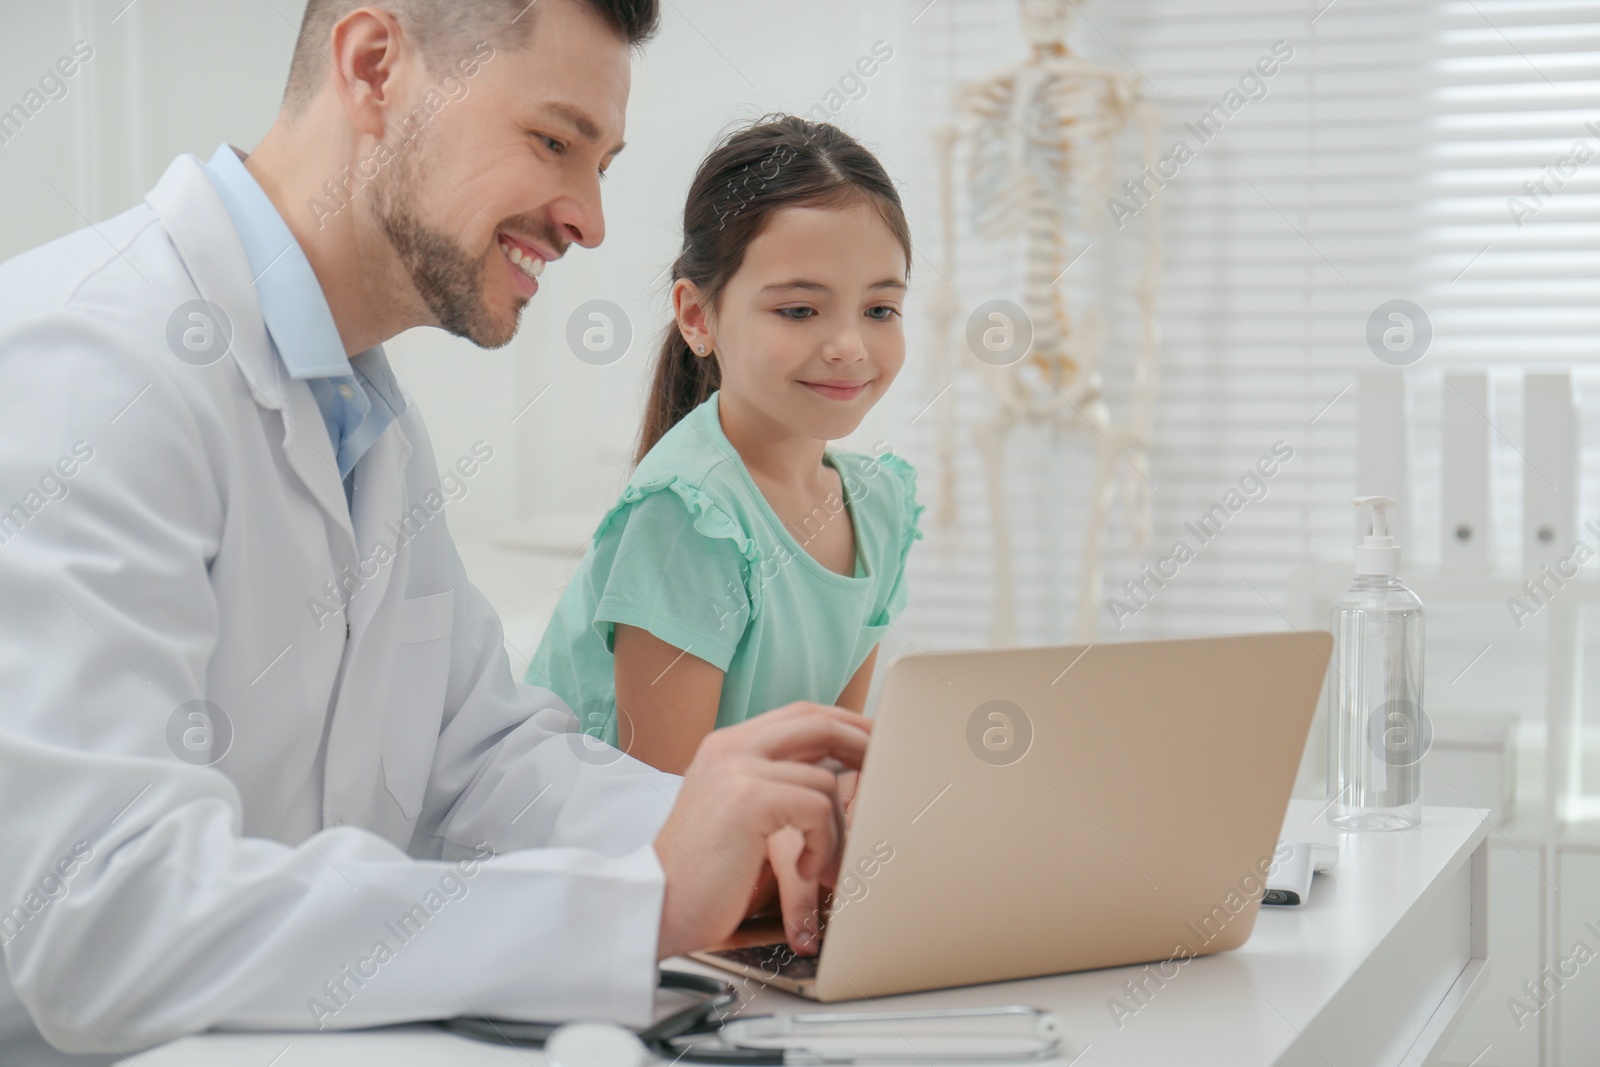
(310, 452)
(203, 231)
(379, 503)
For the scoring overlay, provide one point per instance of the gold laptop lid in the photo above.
(1035, 811)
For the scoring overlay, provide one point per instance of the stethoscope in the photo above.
(679, 1036)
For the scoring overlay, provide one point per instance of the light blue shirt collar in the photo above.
(306, 337)
(358, 396)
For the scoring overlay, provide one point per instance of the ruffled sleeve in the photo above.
(910, 530)
(677, 565)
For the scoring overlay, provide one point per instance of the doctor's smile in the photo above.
(528, 260)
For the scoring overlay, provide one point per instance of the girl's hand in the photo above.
(783, 853)
(801, 898)
(849, 786)
(764, 898)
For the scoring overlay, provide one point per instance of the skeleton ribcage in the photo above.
(1052, 130)
(1042, 143)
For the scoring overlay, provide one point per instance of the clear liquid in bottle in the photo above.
(1378, 730)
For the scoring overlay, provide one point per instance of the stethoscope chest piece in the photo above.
(595, 1045)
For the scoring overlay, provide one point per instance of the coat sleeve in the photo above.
(514, 769)
(133, 910)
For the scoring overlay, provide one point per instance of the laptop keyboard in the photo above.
(773, 961)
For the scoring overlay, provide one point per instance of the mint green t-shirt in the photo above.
(693, 553)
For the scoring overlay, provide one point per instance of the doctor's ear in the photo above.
(696, 322)
(371, 57)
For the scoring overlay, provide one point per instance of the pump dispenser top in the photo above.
(1378, 553)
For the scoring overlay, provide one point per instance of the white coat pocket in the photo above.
(417, 690)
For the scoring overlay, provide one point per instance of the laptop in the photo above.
(1034, 811)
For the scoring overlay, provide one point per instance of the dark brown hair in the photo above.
(780, 161)
(447, 30)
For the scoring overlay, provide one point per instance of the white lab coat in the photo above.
(143, 897)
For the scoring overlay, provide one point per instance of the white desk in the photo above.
(1374, 971)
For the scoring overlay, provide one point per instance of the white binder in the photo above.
(1550, 470)
(1464, 469)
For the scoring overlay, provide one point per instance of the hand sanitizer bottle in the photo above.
(1378, 732)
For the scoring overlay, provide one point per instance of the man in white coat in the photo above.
(263, 762)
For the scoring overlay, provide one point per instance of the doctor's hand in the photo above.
(746, 783)
(783, 851)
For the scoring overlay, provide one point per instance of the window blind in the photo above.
(1384, 159)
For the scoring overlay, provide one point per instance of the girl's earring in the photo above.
(700, 349)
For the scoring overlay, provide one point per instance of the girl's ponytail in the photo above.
(781, 161)
(682, 382)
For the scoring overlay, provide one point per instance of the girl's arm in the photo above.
(854, 696)
(667, 699)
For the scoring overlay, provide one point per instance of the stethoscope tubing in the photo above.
(668, 1038)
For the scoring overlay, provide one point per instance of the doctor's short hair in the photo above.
(446, 31)
(780, 161)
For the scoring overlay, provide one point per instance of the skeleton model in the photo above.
(1040, 141)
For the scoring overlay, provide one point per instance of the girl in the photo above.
(747, 565)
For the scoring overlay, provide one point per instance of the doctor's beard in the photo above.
(450, 281)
